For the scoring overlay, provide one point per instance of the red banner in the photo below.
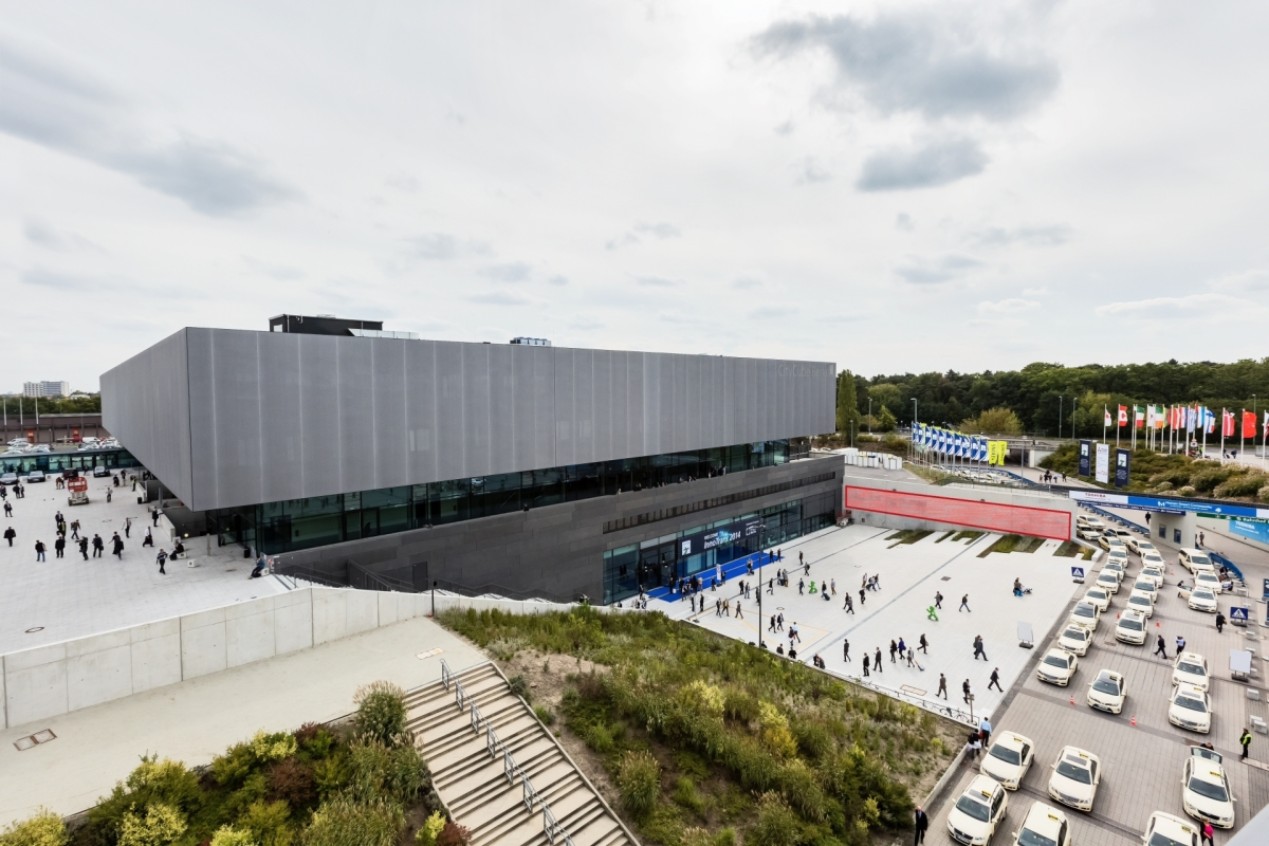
(973, 514)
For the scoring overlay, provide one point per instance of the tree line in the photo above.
(1043, 397)
(15, 404)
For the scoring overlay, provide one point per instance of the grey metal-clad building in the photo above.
(234, 420)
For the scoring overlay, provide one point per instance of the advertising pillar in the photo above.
(1122, 459)
(1086, 455)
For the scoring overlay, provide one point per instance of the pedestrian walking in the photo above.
(75, 530)
(893, 649)
(39, 550)
(861, 597)
(964, 604)
(922, 823)
(978, 648)
(833, 586)
(867, 663)
(9, 535)
(848, 605)
(1208, 833)
(771, 626)
(8, 509)
(1180, 644)
(912, 658)
(942, 686)
(161, 558)
(154, 516)
(995, 680)
(59, 547)
(876, 659)
(984, 730)
(148, 540)
(965, 690)
(924, 645)
(127, 527)
(846, 651)
(739, 614)
(116, 546)
(718, 607)
(83, 547)
(801, 586)
(903, 648)
(1244, 740)
(973, 746)
(938, 600)
(1220, 622)
(1161, 647)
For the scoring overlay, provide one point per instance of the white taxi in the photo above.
(1076, 775)
(1131, 627)
(1108, 581)
(1117, 566)
(1153, 572)
(1099, 597)
(1207, 579)
(1044, 826)
(1147, 587)
(1140, 602)
(1008, 759)
(1203, 599)
(1140, 545)
(1076, 639)
(1191, 669)
(973, 819)
(1085, 614)
(1057, 667)
(1107, 692)
(1118, 556)
(1168, 830)
(1205, 793)
(1190, 708)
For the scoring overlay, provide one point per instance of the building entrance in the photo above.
(658, 566)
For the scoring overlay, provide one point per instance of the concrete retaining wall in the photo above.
(46, 681)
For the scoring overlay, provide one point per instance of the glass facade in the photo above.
(659, 561)
(289, 525)
(54, 463)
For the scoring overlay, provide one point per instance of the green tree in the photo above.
(847, 402)
(993, 421)
(886, 421)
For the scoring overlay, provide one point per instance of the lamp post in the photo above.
(1060, 399)
(870, 415)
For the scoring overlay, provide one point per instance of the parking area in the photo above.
(1142, 762)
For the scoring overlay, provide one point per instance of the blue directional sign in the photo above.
(1239, 614)
(1077, 574)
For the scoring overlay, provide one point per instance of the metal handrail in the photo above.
(499, 590)
(475, 718)
(509, 767)
(934, 708)
(446, 674)
(530, 795)
(492, 743)
(549, 824)
(459, 696)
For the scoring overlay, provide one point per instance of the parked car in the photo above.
(1205, 792)
(8, 478)
(1076, 639)
(1131, 627)
(1190, 708)
(1202, 599)
(1191, 669)
(1107, 692)
(973, 819)
(1046, 826)
(1057, 667)
(1008, 758)
(100, 470)
(35, 476)
(1076, 776)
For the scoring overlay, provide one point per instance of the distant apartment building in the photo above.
(46, 389)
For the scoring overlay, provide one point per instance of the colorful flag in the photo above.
(1160, 419)
(1123, 416)
(1139, 416)
(1227, 424)
(1208, 420)
(1107, 421)
(1265, 428)
(1249, 424)
(1178, 417)
(1191, 418)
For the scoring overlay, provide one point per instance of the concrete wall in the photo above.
(557, 551)
(39, 683)
(230, 417)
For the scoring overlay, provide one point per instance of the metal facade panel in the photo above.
(319, 423)
(285, 416)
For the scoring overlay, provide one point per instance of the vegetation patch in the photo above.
(908, 536)
(363, 783)
(1153, 472)
(943, 537)
(1013, 543)
(967, 535)
(1069, 549)
(706, 740)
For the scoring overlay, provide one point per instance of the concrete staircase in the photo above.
(500, 772)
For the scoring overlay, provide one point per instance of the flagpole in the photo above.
(1242, 431)
(1224, 417)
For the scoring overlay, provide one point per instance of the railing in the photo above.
(933, 707)
(500, 590)
(491, 741)
(550, 825)
(303, 571)
(530, 795)
(476, 719)
(509, 767)
(1223, 561)
(446, 674)
(460, 698)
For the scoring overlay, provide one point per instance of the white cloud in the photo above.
(1009, 305)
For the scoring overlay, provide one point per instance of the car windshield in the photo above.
(1004, 753)
(1192, 669)
(1208, 789)
(1160, 839)
(1191, 704)
(1138, 600)
(1027, 837)
(1203, 593)
(1076, 633)
(1083, 610)
(1130, 625)
(1075, 772)
(1055, 660)
(1106, 685)
(1146, 585)
(972, 807)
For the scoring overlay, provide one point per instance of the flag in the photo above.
(1160, 419)
(1249, 424)
(1139, 416)
(1227, 424)
(1107, 421)
(1191, 418)
(1178, 417)
(1265, 429)
(1209, 420)
(1123, 416)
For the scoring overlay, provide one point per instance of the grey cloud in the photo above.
(557, 280)
(745, 282)
(810, 173)
(655, 282)
(49, 102)
(925, 165)
(441, 246)
(920, 63)
(403, 182)
(280, 272)
(903, 222)
(500, 298)
(1031, 236)
(785, 128)
(1009, 305)
(639, 231)
(42, 235)
(516, 271)
(53, 280)
(937, 271)
(1186, 307)
(56, 280)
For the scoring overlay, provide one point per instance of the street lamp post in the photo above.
(1060, 400)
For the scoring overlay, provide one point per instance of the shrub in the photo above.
(273, 746)
(639, 780)
(430, 830)
(777, 825)
(381, 714)
(518, 686)
(775, 731)
(704, 699)
(344, 822)
(330, 774)
(686, 794)
(160, 825)
(1241, 485)
(453, 834)
(268, 823)
(233, 767)
(544, 714)
(44, 829)
(229, 836)
(252, 790)
(396, 773)
(292, 781)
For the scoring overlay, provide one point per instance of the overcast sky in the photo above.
(889, 186)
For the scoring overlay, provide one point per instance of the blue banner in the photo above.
(1086, 458)
(1122, 459)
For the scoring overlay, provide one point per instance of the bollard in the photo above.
(1072, 698)
(1133, 721)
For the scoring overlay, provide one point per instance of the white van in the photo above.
(1192, 559)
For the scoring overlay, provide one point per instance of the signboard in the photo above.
(1239, 615)
(1077, 575)
(1086, 456)
(1168, 506)
(1252, 530)
(732, 533)
(1103, 463)
(1121, 467)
